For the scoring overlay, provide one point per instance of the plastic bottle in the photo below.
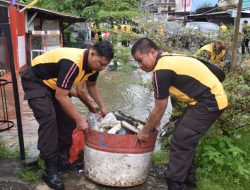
(122, 132)
(92, 121)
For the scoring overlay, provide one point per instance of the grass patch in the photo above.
(7, 152)
(219, 181)
(31, 175)
(160, 158)
(207, 184)
(24, 174)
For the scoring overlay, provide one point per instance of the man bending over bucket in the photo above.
(47, 84)
(192, 82)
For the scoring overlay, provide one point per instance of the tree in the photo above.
(95, 10)
(111, 11)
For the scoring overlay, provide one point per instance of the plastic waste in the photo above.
(92, 120)
(115, 129)
(77, 145)
(140, 126)
(122, 132)
(129, 127)
(109, 121)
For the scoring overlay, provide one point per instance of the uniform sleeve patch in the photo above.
(67, 73)
(162, 80)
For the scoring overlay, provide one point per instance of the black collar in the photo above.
(85, 64)
(158, 56)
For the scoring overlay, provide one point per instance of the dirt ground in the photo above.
(73, 180)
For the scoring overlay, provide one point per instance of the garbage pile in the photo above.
(114, 123)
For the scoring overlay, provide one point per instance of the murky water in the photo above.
(120, 91)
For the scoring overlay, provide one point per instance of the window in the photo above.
(4, 15)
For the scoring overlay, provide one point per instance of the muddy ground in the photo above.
(73, 180)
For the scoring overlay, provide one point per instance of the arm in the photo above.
(153, 119)
(161, 82)
(62, 95)
(72, 92)
(82, 96)
(95, 94)
(68, 71)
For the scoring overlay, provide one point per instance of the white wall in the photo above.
(179, 5)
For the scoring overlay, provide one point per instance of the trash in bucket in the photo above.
(113, 123)
(112, 154)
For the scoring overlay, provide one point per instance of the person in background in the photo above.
(124, 41)
(47, 84)
(214, 52)
(190, 81)
(223, 27)
(246, 36)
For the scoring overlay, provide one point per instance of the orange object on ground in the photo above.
(77, 145)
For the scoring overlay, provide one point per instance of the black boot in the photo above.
(63, 161)
(191, 181)
(50, 174)
(174, 185)
(191, 177)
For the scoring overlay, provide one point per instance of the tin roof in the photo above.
(60, 15)
(227, 13)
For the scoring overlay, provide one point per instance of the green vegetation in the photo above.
(160, 158)
(7, 152)
(25, 174)
(223, 155)
(97, 11)
(122, 54)
(127, 68)
(111, 11)
(32, 175)
(223, 163)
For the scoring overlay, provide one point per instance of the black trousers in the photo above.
(244, 45)
(55, 126)
(193, 124)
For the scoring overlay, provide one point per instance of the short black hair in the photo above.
(105, 49)
(143, 45)
(245, 21)
(87, 45)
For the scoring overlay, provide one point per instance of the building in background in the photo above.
(33, 30)
(174, 9)
(159, 9)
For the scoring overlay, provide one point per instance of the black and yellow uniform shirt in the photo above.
(188, 80)
(208, 52)
(64, 67)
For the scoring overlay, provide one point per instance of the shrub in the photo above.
(218, 155)
(236, 117)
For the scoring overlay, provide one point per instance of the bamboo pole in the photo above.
(236, 35)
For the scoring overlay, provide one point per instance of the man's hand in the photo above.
(143, 135)
(82, 124)
(104, 111)
(153, 119)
